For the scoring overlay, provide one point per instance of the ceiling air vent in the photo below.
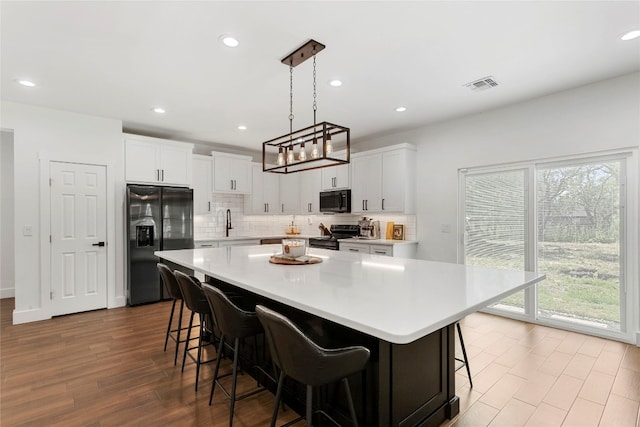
(482, 84)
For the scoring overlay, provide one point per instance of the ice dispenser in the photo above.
(144, 235)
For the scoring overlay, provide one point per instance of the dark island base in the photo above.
(403, 385)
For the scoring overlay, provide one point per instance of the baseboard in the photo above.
(7, 293)
(638, 339)
(117, 302)
(26, 316)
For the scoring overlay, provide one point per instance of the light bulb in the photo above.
(290, 157)
(280, 160)
(302, 156)
(328, 146)
(314, 149)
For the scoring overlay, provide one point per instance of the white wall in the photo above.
(591, 118)
(70, 137)
(7, 258)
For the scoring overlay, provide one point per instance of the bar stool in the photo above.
(173, 289)
(464, 360)
(235, 325)
(195, 301)
(301, 359)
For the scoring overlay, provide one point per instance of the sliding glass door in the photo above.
(495, 225)
(574, 233)
(578, 238)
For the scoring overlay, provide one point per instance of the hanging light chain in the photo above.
(291, 98)
(315, 105)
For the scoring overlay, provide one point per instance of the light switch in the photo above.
(27, 230)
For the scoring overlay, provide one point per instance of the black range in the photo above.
(338, 231)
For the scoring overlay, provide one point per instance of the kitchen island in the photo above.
(404, 310)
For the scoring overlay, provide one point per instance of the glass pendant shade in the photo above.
(302, 156)
(280, 160)
(328, 145)
(290, 155)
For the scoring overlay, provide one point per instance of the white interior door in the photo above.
(78, 226)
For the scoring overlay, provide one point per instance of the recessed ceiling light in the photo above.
(229, 41)
(159, 110)
(242, 127)
(401, 109)
(631, 35)
(335, 83)
(26, 83)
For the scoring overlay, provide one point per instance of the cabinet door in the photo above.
(265, 192)
(142, 160)
(310, 187)
(354, 247)
(366, 184)
(175, 165)
(222, 181)
(202, 170)
(231, 174)
(381, 250)
(290, 193)
(241, 175)
(394, 183)
(335, 177)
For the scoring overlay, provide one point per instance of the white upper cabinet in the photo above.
(366, 189)
(335, 177)
(265, 192)
(383, 180)
(310, 187)
(231, 173)
(202, 184)
(290, 193)
(157, 161)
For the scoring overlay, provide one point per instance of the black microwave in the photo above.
(338, 201)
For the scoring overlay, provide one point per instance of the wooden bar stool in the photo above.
(303, 360)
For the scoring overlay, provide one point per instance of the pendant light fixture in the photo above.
(330, 143)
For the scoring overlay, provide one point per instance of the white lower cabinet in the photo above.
(404, 250)
(205, 244)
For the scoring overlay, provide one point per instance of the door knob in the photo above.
(98, 244)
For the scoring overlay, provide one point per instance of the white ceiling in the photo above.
(120, 59)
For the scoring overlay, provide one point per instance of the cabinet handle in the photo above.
(162, 175)
(380, 252)
(209, 208)
(283, 207)
(235, 187)
(382, 204)
(354, 250)
(309, 207)
(206, 246)
(366, 205)
(266, 207)
(157, 174)
(362, 204)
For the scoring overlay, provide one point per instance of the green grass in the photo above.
(583, 279)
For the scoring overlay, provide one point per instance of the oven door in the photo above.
(325, 243)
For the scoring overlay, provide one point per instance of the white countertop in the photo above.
(394, 299)
(386, 242)
(306, 236)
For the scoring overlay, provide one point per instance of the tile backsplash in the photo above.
(213, 225)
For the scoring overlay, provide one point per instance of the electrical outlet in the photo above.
(445, 228)
(27, 230)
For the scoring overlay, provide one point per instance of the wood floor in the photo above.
(107, 368)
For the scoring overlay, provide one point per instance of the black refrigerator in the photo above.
(158, 218)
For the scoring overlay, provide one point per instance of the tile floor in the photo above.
(531, 375)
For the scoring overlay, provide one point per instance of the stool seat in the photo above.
(299, 358)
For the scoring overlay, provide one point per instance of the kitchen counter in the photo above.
(232, 238)
(379, 241)
(355, 290)
(403, 310)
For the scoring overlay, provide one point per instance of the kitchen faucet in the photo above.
(228, 224)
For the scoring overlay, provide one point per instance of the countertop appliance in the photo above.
(336, 201)
(338, 231)
(158, 218)
(369, 229)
